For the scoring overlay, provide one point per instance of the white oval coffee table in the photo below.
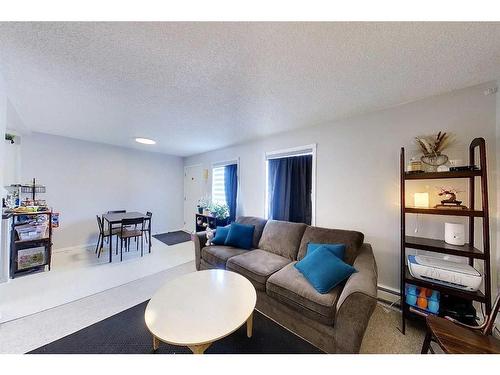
(198, 308)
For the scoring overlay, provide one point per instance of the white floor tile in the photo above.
(77, 274)
(28, 333)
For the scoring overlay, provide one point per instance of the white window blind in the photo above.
(218, 190)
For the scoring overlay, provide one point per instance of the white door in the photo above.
(193, 191)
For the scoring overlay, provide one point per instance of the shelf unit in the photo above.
(468, 251)
(17, 245)
(208, 220)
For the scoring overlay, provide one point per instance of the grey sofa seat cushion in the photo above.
(282, 238)
(352, 240)
(258, 223)
(257, 265)
(291, 288)
(218, 255)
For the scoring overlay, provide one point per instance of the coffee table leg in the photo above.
(250, 325)
(156, 343)
(199, 349)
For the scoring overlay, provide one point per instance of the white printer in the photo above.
(456, 275)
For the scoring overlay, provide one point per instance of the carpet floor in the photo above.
(383, 336)
(173, 238)
(126, 333)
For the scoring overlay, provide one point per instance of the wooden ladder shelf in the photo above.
(439, 246)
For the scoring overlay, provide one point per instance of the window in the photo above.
(225, 186)
(218, 189)
(290, 184)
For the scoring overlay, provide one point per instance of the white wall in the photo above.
(3, 126)
(498, 190)
(84, 179)
(358, 166)
(3, 223)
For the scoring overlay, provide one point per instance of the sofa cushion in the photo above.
(220, 235)
(258, 223)
(240, 235)
(351, 239)
(282, 238)
(257, 265)
(323, 269)
(290, 287)
(337, 249)
(218, 255)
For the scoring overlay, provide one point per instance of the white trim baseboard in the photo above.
(387, 293)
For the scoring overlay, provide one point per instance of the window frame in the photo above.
(290, 152)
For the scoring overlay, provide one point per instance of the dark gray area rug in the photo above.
(173, 238)
(126, 333)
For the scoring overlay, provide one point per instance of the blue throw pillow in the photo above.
(324, 270)
(220, 235)
(337, 249)
(240, 235)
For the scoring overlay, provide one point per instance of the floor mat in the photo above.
(173, 238)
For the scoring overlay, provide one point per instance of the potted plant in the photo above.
(220, 211)
(203, 205)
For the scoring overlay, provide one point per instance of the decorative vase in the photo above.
(433, 305)
(434, 160)
(411, 299)
(422, 299)
(411, 295)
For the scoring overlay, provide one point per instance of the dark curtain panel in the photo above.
(290, 187)
(231, 188)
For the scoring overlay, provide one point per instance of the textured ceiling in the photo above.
(194, 87)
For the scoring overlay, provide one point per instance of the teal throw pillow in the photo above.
(324, 270)
(240, 235)
(220, 235)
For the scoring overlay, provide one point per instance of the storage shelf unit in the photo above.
(202, 221)
(17, 245)
(468, 251)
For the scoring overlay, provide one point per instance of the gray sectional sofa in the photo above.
(336, 321)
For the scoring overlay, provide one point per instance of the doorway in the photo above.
(193, 191)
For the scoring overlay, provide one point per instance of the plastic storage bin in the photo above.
(31, 232)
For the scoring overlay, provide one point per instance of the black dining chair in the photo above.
(103, 234)
(130, 228)
(147, 225)
(117, 212)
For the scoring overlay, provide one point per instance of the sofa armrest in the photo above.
(356, 303)
(199, 239)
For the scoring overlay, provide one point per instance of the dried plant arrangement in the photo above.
(432, 148)
(433, 145)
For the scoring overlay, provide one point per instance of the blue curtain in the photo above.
(231, 189)
(289, 189)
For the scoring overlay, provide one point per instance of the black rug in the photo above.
(173, 238)
(126, 333)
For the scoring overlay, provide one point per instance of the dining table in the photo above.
(116, 218)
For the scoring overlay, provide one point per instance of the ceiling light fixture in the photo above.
(145, 141)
